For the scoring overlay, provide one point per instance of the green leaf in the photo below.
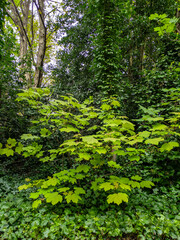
(125, 186)
(127, 125)
(159, 127)
(25, 186)
(8, 152)
(117, 198)
(101, 150)
(115, 103)
(154, 141)
(72, 197)
(83, 168)
(147, 184)
(169, 146)
(45, 132)
(53, 197)
(134, 184)
(144, 134)
(136, 177)
(64, 189)
(11, 142)
(34, 195)
(134, 158)
(106, 186)
(85, 156)
(19, 148)
(36, 203)
(28, 136)
(69, 129)
(114, 164)
(136, 140)
(51, 182)
(79, 190)
(105, 107)
(90, 140)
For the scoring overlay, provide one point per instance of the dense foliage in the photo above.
(95, 154)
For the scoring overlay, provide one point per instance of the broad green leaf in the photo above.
(79, 176)
(45, 132)
(51, 182)
(136, 177)
(101, 150)
(19, 148)
(134, 184)
(36, 203)
(8, 152)
(105, 107)
(169, 146)
(136, 140)
(12, 142)
(106, 186)
(53, 197)
(147, 184)
(69, 129)
(110, 139)
(144, 134)
(125, 186)
(34, 195)
(115, 103)
(64, 189)
(154, 141)
(117, 198)
(90, 140)
(82, 168)
(72, 197)
(85, 156)
(25, 186)
(28, 136)
(152, 119)
(159, 127)
(1, 145)
(134, 158)
(114, 164)
(79, 190)
(127, 125)
(94, 184)
(92, 115)
(120, 152)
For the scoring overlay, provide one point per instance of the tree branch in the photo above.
(40, 13)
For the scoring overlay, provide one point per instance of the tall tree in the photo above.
(34, 33)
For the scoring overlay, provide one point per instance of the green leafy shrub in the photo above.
(92, 137)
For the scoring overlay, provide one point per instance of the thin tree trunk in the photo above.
(42, 45)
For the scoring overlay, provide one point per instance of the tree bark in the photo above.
(42, 44)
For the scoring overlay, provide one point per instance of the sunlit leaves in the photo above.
(53, 197)
(36, 203)
(169, 146)
(117, 198)
(154, 141)
(106, 186)
(72, 197)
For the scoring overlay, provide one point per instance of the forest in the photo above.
(89, 119)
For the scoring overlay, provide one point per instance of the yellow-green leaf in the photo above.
(36, 203)
(154, 141)
(117, 198)
(169, 146)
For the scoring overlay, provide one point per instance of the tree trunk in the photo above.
(42, 45)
